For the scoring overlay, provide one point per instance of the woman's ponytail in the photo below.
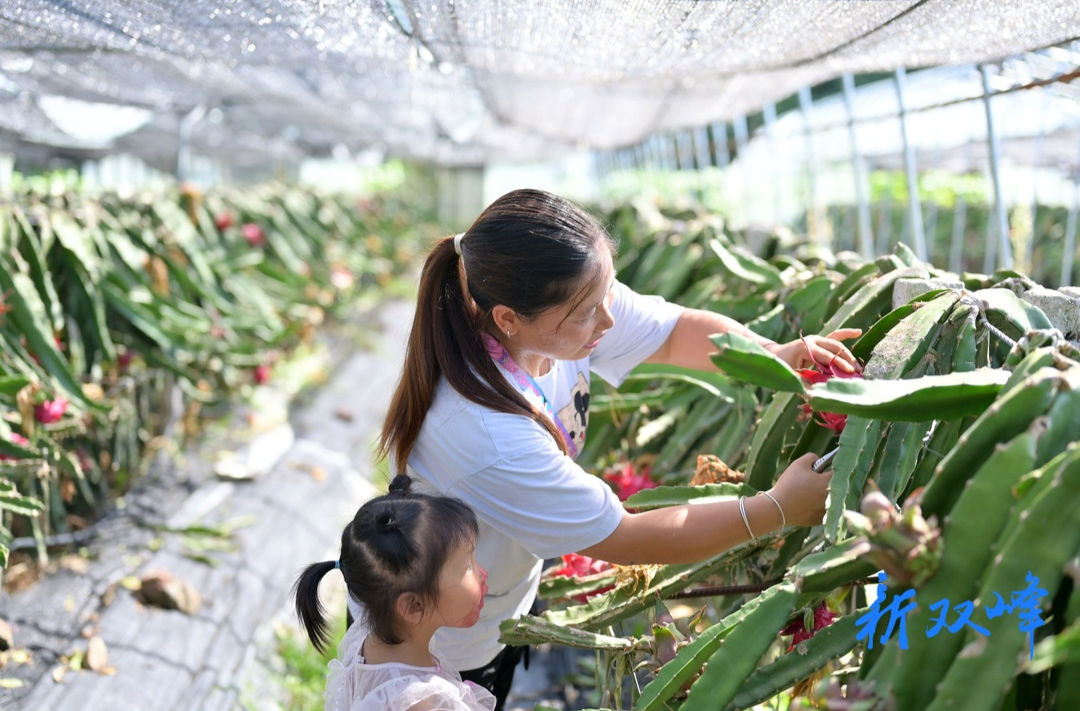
(441, 317)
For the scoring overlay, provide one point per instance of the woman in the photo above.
(492, 408)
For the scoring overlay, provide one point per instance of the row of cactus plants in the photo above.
(956, 475)
(122, 319)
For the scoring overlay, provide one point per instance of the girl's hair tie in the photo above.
(401, 484)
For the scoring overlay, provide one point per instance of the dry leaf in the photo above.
(75, 563)
(97, 654)
(712, 470)
(162, 589)
(109, 595)
(11, 683)
(67, 490)
(7, 637)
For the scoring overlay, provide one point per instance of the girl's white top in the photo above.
(355, 685)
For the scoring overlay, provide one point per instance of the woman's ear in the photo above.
(506, 319)
(409, 608)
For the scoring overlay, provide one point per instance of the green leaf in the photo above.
(23, 505)
(563, 587)
(678, 495)
(872, 300)
(528, 629)
(12, 500)
(10, 385)
(901, 350)
(906, 256)
(827, 644)
(745, 266)
(627, 600)
(931, 397)
(1062, 648)
(740, 652)
(9, 448)
(77, 241)
(1010, 313)
(744, 359)
(689, 660)
(716, 383)
(30, 318)
(833, 567)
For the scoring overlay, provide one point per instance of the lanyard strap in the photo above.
(527, 385)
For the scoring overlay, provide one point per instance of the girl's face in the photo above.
(462, 586)
(570, 331)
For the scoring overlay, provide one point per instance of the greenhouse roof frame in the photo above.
(464, 82)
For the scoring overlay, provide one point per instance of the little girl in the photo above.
(408, 560)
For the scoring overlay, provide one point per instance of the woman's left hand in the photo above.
(819, 350)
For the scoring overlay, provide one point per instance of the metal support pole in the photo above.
(866, 233)
(959, 225)
(918, 239)
(1070, 239)
(990, 255)
(742, 138)
(769, 114)
(813, 227)
(1029, 249)
(933, 207)
(959, 228)
(1070, 233)
(685, 150)
(884, 229)
(702, 154)
(742, 133)
(183, 149)
(671, 152)
(1005, 258)
(721, 149)
(656, 154)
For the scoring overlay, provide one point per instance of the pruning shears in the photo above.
(824, 461)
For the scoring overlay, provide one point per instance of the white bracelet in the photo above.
(742, 510)
(783, 518)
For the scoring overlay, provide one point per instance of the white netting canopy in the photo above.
(458, 81)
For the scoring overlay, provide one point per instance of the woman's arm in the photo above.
(689, 346)
(684, 534)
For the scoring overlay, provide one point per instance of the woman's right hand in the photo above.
(801, 492)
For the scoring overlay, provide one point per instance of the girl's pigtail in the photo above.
(309, 609)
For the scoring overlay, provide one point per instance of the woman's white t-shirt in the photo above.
(533, 501)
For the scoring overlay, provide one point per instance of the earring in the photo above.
(508, 333)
